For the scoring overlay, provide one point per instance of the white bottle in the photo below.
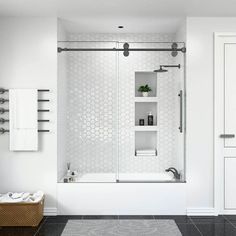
(68, 169)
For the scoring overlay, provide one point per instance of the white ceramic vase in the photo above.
(145, 94)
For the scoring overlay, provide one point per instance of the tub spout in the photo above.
(174, 171)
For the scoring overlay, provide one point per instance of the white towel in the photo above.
(23, 115)
(146, 150)
(21, 197)
(144, 154)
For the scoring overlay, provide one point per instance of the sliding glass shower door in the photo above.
(91, 137)
(114, 132)
(150, 139)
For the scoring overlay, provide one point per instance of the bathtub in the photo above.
(123, 177)
(134, 194)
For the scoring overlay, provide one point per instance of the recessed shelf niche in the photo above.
(145, 140)
(143, 78)
(142, 110)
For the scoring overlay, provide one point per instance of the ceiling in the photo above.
(105, 15)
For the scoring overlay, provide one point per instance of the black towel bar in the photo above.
(2, 110)
(2, 131)
(2, 120)
(43, 100)
(42, 110)
(2, 100)
(2, 90)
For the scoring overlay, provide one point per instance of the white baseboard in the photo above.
(50, 211)
(201, 211)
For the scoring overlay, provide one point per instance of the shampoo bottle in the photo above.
(150, 118)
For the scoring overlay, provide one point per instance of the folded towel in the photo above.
(146, 151)
(23, 114)
(154, 154)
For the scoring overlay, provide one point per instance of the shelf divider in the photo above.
(145, 99)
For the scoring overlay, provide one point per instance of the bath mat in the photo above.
(121, 228)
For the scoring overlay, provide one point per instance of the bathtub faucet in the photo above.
(174, 171)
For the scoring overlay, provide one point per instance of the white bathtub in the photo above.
(123, 177)
(121, 198)
(105, 197)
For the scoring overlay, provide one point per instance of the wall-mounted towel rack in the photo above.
(3, 110)
(3, 131)
(2, 90)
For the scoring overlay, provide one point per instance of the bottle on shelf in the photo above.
(150, 118)
(141, 122)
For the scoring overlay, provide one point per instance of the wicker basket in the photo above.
(21, 214)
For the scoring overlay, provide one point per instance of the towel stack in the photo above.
(146, 152)
(21, 197)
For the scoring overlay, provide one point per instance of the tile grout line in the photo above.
(41, 226)
(229, 221)
(195, 225)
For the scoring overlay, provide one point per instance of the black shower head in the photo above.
(160, 70)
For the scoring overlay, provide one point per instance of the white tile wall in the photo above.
(91, 134)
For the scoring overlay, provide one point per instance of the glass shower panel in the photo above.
(92, 112)
(146, 151)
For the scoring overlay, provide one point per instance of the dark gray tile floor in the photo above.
(189, 226)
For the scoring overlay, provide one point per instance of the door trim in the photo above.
(218, 122)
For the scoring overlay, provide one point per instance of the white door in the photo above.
(225, 123)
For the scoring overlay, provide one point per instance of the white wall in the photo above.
(180, 35)
(200, 56)
(28, 59)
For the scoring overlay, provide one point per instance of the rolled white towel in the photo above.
(22, 195)
(16, 195)
(36, 197)
(25, 196)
